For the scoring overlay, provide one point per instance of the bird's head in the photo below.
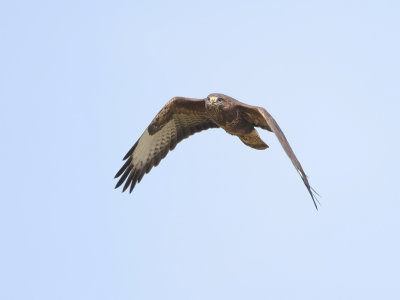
(215, 102)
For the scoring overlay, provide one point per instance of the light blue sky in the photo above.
(81, 80)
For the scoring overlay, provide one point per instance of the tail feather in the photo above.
(253, 140)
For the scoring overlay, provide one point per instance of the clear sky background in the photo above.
(81, 80)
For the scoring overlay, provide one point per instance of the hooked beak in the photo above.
(213, 100)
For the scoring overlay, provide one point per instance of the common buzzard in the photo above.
(182, 117)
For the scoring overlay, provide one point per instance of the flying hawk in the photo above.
(182, 117)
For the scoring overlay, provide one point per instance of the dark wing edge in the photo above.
(261, 118)
(289, 151)
(179, 119)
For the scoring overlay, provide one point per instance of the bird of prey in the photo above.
(182, 117)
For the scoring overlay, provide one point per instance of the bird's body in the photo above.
(182, 117)
(230, 117)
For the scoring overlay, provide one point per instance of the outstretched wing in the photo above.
(179, 118)
(261, 118)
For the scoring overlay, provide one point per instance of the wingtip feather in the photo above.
(314, 195)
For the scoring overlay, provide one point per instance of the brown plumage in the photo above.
(182, 117)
